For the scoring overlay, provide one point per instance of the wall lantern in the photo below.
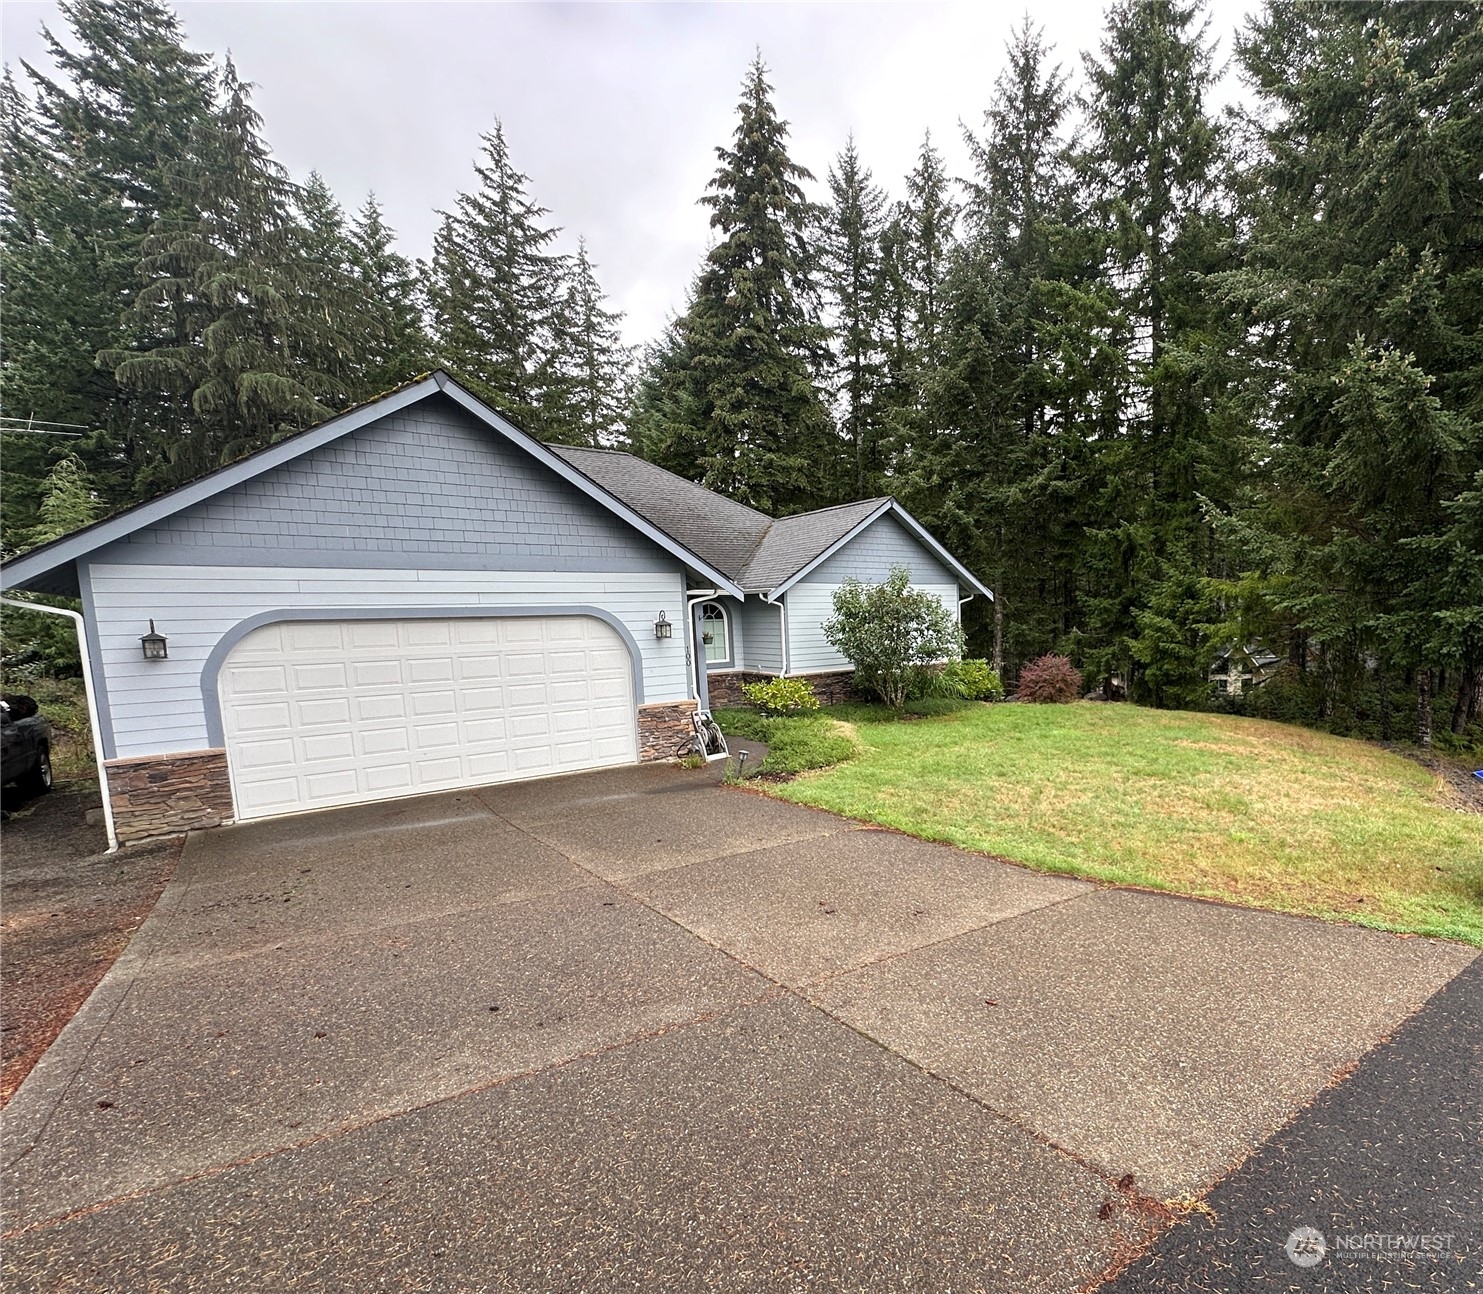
(662, 628)
(153, 644)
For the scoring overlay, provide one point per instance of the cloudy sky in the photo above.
(614, 110)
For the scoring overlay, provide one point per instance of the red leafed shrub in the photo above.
(1049, 681)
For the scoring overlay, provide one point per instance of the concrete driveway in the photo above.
(634, 1031)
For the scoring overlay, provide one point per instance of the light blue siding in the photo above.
(761, 635)
(870, 555)
(156, 707)
(427, 486)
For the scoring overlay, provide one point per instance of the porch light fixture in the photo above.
(662, 627)
(153, 644)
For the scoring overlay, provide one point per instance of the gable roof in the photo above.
(762, 554)
(41, 567)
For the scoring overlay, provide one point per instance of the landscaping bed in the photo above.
(69, 911)
(1251, 812)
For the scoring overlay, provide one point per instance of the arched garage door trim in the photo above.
(210, 672)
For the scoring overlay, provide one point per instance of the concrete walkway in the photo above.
(631, 1030)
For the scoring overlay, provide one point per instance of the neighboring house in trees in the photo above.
(416, 596)
(1236, 669)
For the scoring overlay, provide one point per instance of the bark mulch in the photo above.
(67, 910)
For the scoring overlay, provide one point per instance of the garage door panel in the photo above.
(323, 786)
(313, 637)
(435, 736)
(431, 703)
(427, 633)
(337, 746)
(479, 669)
(323, 714)
(435, 670)
(319, 678)
(377, 709)
(327, 710)
(369, 635)
(376, 673)
(383, 741)
(387, 778)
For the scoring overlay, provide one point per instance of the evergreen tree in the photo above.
(1365, 202)
(400, 350)
(493, 286)
(592, 365)
(68, 501)
(87, 172)
(851, 272)
(223, 310)
(755, 427)
(331, 287)
(1152, 170)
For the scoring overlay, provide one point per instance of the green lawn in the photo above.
(1256, 813)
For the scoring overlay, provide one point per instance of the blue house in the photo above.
(415, 596)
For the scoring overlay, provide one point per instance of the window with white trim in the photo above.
(715, 633)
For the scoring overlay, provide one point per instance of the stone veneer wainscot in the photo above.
(164, 795)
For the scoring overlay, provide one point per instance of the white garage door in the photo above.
(319, 714)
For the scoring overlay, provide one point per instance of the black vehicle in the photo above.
(25, 746)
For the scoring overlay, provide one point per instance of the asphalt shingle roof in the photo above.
(716, 529)
(753, 549)
(790, 543)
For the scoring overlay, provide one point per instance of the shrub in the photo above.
(781, 696)
(1051, 680)
(794, 745)
(972, 680)
(890, 631)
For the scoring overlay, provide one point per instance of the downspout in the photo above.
(691, 599)
(782, 607)
(87, 687)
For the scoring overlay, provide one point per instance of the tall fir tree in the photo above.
(331, 285)
(228, 314)
(87, 171)
(1003, 471)
(1365, 199)
(755, 427)
(400, 350)
(1152, 168)
(493, 288)
(592, 366)
(851, 272)
(921, 238)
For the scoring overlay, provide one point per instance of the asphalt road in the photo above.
(1377, 1163)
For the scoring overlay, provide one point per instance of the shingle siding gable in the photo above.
(426, 483)
(870, 555)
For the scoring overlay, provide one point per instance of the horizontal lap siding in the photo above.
(809, 605)
(761, 635)
(156, 706)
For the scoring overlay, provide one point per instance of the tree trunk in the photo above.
(1384, 684)
(999, 631)
(1424, 708)
(1467, 692)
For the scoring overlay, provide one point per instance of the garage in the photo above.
(317, 714)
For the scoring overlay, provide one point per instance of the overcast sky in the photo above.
(614, 110)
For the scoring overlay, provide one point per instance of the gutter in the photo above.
(87, 687)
